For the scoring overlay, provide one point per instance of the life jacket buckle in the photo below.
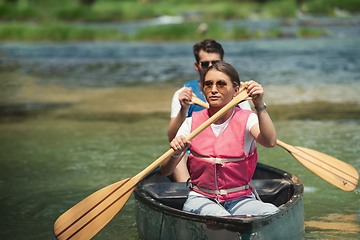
(223, 192)
(220, 161)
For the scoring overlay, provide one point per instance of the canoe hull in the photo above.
(159, 221)
(156, 225)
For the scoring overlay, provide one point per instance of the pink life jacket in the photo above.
(218, 166)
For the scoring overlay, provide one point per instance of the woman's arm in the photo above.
(264, 132)
(180, 145)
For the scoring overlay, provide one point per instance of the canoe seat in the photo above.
(173, 194)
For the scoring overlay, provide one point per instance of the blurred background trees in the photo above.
(119, 10)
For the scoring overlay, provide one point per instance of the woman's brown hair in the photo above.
(225, 68)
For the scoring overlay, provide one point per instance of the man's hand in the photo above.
(185, 97)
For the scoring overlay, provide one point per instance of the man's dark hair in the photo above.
(209, 46)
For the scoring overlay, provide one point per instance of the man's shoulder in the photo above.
(192, 83)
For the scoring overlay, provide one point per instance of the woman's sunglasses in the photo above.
(206, 64)
(208, 85)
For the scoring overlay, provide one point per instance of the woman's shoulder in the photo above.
(243, 111)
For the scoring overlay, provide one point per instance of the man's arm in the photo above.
(175, 122)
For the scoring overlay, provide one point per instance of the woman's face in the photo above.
(218, 88)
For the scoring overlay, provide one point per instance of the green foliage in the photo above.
(179, 32)
(230, 12)
(88, 3)
(51, 15)
(22, 11)
(241, 32)
(209, 10)
(310, 32)
(274, 32)
(142, 12)
(172, 31)
(56, 32)
(73, 13)
(319, 7)
(349, 5)
(280, 8)
(327, 6)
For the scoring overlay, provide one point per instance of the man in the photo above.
(206, 53)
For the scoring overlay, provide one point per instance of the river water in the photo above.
(76, 117)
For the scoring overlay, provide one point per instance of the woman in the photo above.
(223, 157)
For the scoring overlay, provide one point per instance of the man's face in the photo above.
(206, 60)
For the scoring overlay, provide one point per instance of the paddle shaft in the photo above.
(242, 96)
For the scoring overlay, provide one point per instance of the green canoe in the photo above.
(158, 204)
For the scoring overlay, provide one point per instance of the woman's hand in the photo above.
(264, 132)
(255, 89)
(179, 144)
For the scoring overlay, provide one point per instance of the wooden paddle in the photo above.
(332, 170)
(89, 216)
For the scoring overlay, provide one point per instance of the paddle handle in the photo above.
(242, 96)
(198, 101)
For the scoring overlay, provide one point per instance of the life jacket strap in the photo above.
(221, 161)
(219, 191)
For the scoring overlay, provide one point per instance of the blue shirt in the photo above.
(196, 89)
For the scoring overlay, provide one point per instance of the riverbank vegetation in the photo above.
(171, 32)
(203, 10)
(56, 32)
(68, 20)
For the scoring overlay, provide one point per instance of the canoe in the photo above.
(158, 204)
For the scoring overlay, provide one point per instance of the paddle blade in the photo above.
(89, 216)
(332, 170)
